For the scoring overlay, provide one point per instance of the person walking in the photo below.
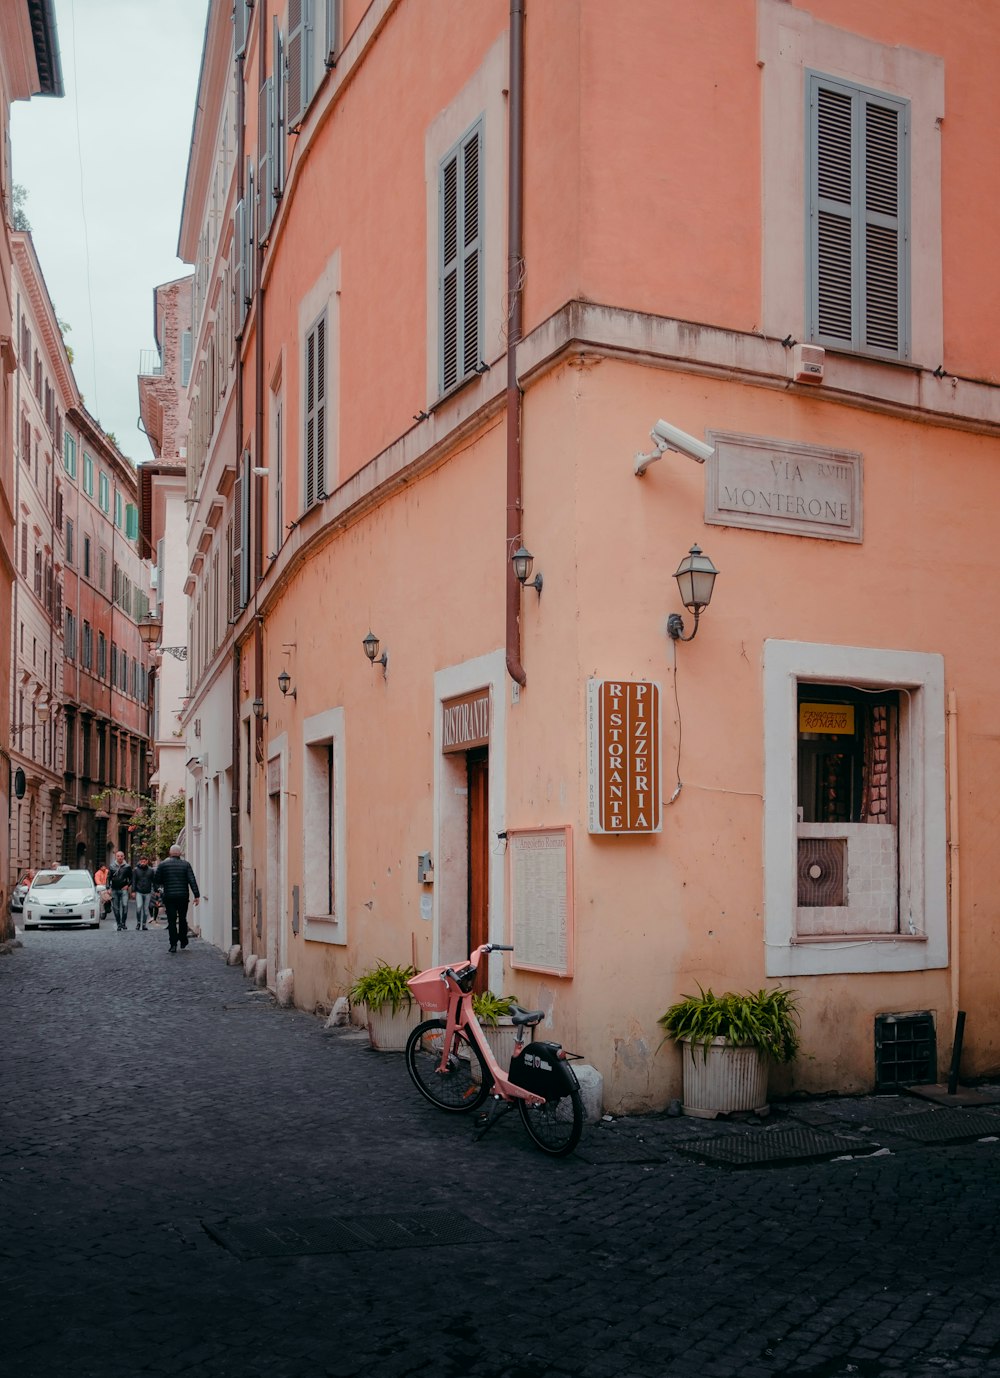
(120, 883)
(142, 890)
(175, 877)
(101, 881)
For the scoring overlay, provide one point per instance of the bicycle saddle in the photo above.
(528, 1017)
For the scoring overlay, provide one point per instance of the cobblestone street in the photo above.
(177, 1154)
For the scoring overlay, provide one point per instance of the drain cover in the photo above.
(264, 1238)
(283, 1238)
(790, 1145)
(944, 1126)
(406, 1229)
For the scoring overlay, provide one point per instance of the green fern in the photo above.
(384, 985)
(488, 1008)
(765, 1019)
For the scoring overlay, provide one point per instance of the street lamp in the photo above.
(695, 577)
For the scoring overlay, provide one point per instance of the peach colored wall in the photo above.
(643, 191)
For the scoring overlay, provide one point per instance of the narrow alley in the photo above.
(198, 1182)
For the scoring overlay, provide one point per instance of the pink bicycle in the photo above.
(443, 1056)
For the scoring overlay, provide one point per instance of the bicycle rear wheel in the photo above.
(556, 1126)
(455, 1087)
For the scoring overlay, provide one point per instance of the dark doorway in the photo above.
(478, 764)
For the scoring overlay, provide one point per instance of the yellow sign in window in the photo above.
(837, 718)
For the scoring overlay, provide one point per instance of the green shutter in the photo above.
(461, 259)
(857, 281)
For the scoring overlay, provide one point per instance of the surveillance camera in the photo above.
(673, 438)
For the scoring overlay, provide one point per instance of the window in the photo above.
(86, 556)
(69, 542)
(241, 535)
(87, 647)
(858, 244)
(276, 480)
(69, 455)
(855, 865)
(26, 440)
(102, 568)
(185, 358)
(102, 655)
(119, 509)
(891, 95)
(88, 474)
(69, 638)
(38, 572)
(325, 832)
(460, 260)
(132, 521)
(24, 550)
(315, 413)
(104, 492)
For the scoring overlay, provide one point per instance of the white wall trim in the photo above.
(328, 726)
(488, 670)
(923, 783)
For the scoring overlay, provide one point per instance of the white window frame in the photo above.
(482, 98)
(923, 810)
(324, 855)
(315, 360)
(790, 43)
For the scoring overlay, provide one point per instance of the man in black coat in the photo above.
(175, 877)
(142, 889)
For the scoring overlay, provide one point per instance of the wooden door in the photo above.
(478, 762)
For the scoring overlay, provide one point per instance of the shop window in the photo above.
(855, 818)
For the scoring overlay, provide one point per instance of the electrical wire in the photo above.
(96, 410)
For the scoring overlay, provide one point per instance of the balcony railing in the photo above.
(150, 364)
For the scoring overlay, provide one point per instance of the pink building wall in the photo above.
(663, 269)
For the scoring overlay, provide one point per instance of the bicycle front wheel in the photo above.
(556, 1126)
(453, 1087)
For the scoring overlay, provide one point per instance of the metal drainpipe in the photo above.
(515, 217)
(236, 851)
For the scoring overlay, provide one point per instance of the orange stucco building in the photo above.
(453, 265)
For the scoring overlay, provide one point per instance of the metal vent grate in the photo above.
(822, 871)
(905, 1050)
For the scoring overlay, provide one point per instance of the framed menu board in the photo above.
(540, 865)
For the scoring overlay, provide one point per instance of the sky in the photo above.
(104, 167)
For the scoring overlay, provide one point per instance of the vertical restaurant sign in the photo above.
(624, 740)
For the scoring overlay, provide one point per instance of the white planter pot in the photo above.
(501, 1040)
(719, 1078)
(388, 1032)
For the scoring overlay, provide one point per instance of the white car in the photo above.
(62, 897)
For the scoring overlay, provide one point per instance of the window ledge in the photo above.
(811, 940)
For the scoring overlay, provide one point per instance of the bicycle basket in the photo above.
(429, 991)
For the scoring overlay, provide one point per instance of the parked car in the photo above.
(62, 897)
(20, 890)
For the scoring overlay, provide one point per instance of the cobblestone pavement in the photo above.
(176, 1153)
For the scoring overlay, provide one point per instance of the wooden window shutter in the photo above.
(857, 280)
(297, 60)
(239, 274)
(276, 128)
(315, 413)
(265, 208)
(236, 563)
(332, 32)
(240, 27)
(243, 513)
(460, 212)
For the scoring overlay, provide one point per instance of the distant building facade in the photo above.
(163, 383)
(29, 66)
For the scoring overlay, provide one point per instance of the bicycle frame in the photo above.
(461, 1016)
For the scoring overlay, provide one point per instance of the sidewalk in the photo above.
(197, 1182)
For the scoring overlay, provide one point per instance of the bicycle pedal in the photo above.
(486, 1119)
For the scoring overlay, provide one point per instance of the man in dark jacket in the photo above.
(175, 877)
(120, 883)
(142, 889)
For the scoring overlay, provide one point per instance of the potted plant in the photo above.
(728, 1042)
(390, 1012)
(493, 1013)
